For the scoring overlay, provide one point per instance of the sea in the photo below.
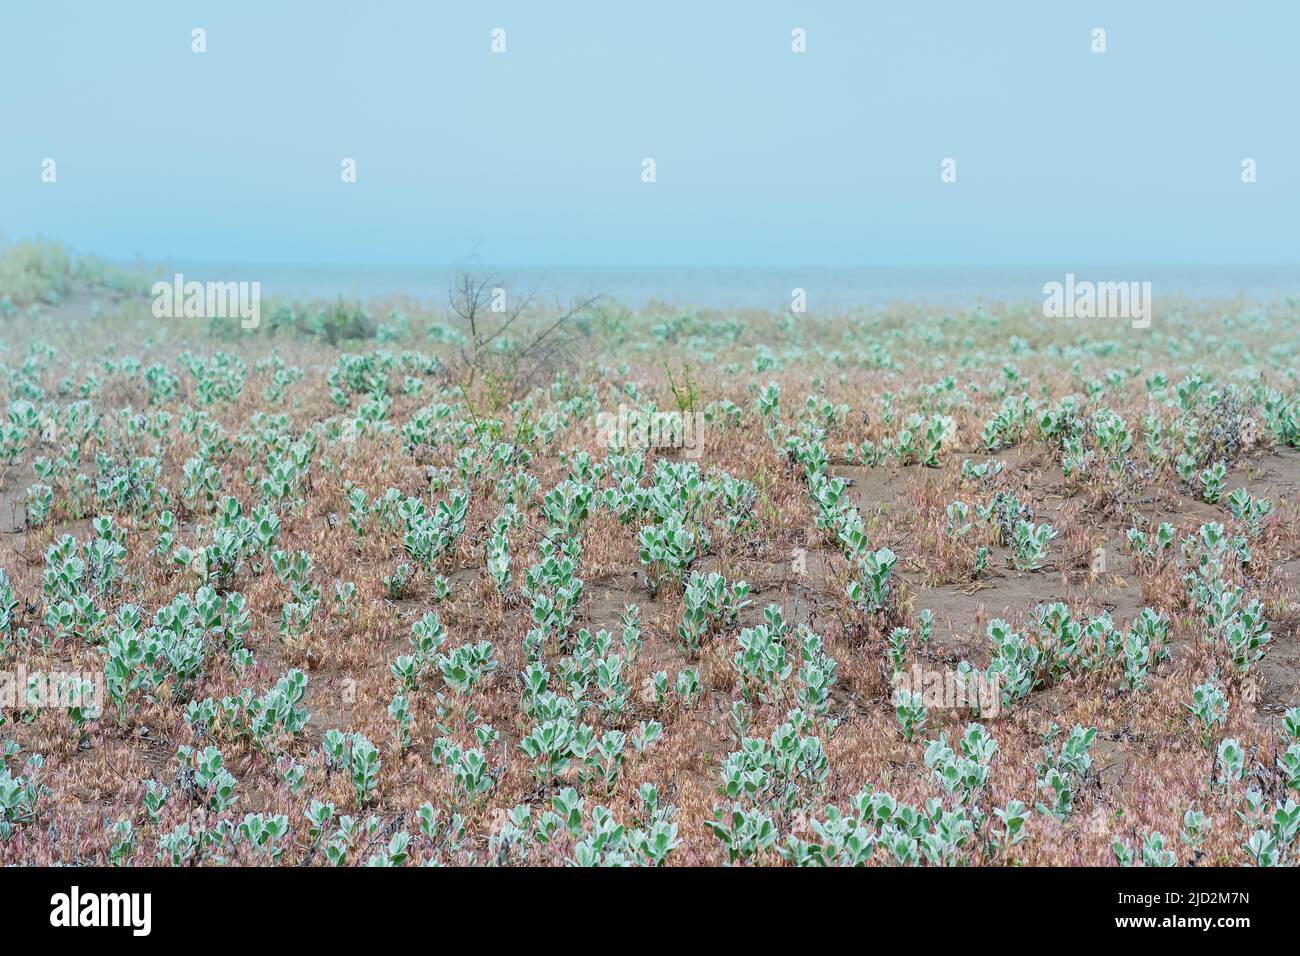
(824, 288)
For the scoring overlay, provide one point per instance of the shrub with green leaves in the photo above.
(1029, 544)
(1231, 761)
(711, 604)
(1144, 646)
(910, 712)
(761, 663)
(19, 795)
(777, 772)
(466, 665)
(550, 746)
(869, 591)
(1249, 510)
(206, 777)
(468, 768)
(429, 536)
(355, 756)
(1213, 480)
(839, 838)
(743, 832)
(1014, 669)
(964, 776)
(667, 550)
(1061, 774)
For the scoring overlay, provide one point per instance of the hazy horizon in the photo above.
(742, 286)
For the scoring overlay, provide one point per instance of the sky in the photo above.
(763, 156)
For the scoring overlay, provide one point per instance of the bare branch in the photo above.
(511, 347)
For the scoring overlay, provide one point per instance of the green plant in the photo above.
(1208, 709)
(909, 710)
(1061, 774)
(666, 550)
(870, 589)
(1029, 544)
(1212, 482)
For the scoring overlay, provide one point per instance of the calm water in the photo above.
(838, 288)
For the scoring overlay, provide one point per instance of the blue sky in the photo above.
(763, 156)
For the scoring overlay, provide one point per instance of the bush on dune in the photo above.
(41, 271)
(35, 271)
